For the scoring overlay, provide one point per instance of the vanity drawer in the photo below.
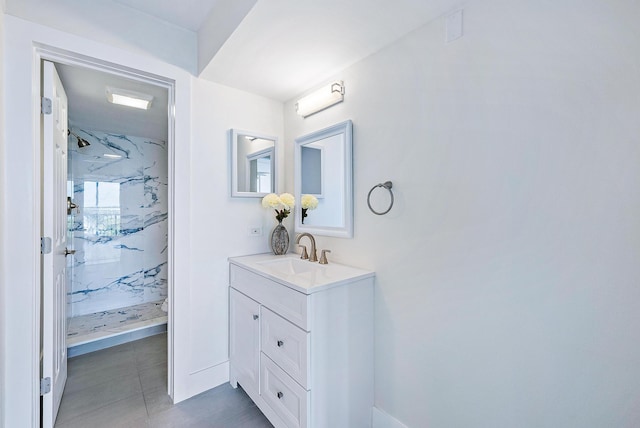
(288, 303)
(286, 344)
(288, 400)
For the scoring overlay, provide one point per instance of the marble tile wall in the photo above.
(119, 230)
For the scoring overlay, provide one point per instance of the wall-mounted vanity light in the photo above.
(324, 97)
(129, 98)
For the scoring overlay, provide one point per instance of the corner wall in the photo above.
(507, 271)
(2, 223)
(219, 224)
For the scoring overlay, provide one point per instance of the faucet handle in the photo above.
(323, 257)
(304, 254)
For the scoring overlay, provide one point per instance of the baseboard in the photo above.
(203, 380)
(380, 419)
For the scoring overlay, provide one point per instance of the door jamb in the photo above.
(45, 52)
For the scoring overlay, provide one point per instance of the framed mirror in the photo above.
(252, 164)
(323, 168)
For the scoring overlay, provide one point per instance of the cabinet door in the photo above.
(244, 342)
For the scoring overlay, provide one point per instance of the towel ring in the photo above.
(387, 185)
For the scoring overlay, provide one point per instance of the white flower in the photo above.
(309, 202)
(271, 201)
(287, 200)
(281, 204)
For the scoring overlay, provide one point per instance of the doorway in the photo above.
(120, 186)
(118, 209)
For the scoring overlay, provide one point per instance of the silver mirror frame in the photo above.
(346, 230)
(233, 163)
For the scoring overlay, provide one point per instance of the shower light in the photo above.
(111, 155)
(129, 98)
(324, 97)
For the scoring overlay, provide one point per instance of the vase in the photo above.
(279, 240)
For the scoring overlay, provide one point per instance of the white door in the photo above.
(54, 224)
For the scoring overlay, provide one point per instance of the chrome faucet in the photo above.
(313, 257)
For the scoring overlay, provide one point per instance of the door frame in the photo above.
(49, 53)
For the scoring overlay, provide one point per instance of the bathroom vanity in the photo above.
(301, 340)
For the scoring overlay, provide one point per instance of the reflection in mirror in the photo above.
(323, 168)
(311, 161)
(252, 164)
(258, 176)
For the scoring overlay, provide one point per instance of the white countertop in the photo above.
(301, 275)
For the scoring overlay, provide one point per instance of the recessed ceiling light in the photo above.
(129, 98)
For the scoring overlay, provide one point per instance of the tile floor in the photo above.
(125, 386)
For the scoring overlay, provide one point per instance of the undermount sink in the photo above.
(291, 265)
(299, 274)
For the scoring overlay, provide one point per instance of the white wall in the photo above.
(507, 271)
(219, 225)
(207, 224)
(2, 224)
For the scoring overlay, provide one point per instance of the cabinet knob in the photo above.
(280, 394)
(255, 317)
(280, 343)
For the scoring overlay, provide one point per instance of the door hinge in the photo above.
(45, 105)
(45, 385)
(45, 245)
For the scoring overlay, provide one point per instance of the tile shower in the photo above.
(118, 275)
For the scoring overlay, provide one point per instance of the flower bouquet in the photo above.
(282, 205)
(308, 202)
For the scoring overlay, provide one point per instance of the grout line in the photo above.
(80, 413)
(144, 399)
(88, 413)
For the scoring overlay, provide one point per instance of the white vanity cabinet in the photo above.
(301, 340)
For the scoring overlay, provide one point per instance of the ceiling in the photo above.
(89, 108)
(284, 47)
(188, 14)
(280, 49)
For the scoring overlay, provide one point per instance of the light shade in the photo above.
(129, 98)
(324, 97)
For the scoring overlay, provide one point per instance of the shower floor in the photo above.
(102, 325)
